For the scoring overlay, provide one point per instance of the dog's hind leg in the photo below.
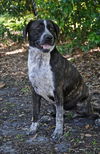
(90, 106)
(84, 107)
(36, 110)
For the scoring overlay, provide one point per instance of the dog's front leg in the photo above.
(59, 117)
(36, 110)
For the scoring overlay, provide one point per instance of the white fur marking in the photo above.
(40, 73)
(59, 121)
(46, 31)
(34, 127)
(59, 117)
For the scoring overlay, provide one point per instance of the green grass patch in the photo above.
(25, 90)
(68, 133)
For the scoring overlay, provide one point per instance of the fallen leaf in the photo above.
(34, 136)
(2, 84)
(87, 126)
(1, 99)
(88, 135)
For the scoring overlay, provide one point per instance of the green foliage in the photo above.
(78, 19)
(3, 29)
(12, 27)
(25, 90)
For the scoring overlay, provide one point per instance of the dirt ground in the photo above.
(81, 135)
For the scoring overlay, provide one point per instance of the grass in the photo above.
(20, 137)
(94, 142)
(69, 115)
(25, 90)
(68, 133)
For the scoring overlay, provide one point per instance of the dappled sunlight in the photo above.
(74, 57)
(18, 74)
(12, 48)
(15, 51)
(6, 43)
(78, 54)
(95, 49)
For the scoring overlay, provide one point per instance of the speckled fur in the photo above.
(40, 74)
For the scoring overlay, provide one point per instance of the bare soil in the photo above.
(81, 135)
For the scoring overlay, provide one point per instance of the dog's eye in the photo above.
(36, 30)
(50, 28)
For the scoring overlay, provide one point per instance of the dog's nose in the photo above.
(48, 37)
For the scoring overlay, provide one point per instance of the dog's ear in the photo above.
(26, 29)
(57, 30)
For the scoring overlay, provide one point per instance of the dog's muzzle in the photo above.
(46, 43)
(48, 39)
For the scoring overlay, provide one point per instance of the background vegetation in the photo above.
(78, 20)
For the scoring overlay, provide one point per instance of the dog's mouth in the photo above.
(46, 46)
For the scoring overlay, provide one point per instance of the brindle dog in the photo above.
(52, 76)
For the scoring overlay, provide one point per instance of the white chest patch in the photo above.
(40, 73)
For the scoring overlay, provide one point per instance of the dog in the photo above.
(52, 76)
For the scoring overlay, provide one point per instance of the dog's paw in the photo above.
(33, 128)
(57, 134)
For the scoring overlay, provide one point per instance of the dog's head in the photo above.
(42, 34)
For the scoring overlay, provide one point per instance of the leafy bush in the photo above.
(12, 27)
(78, 19)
